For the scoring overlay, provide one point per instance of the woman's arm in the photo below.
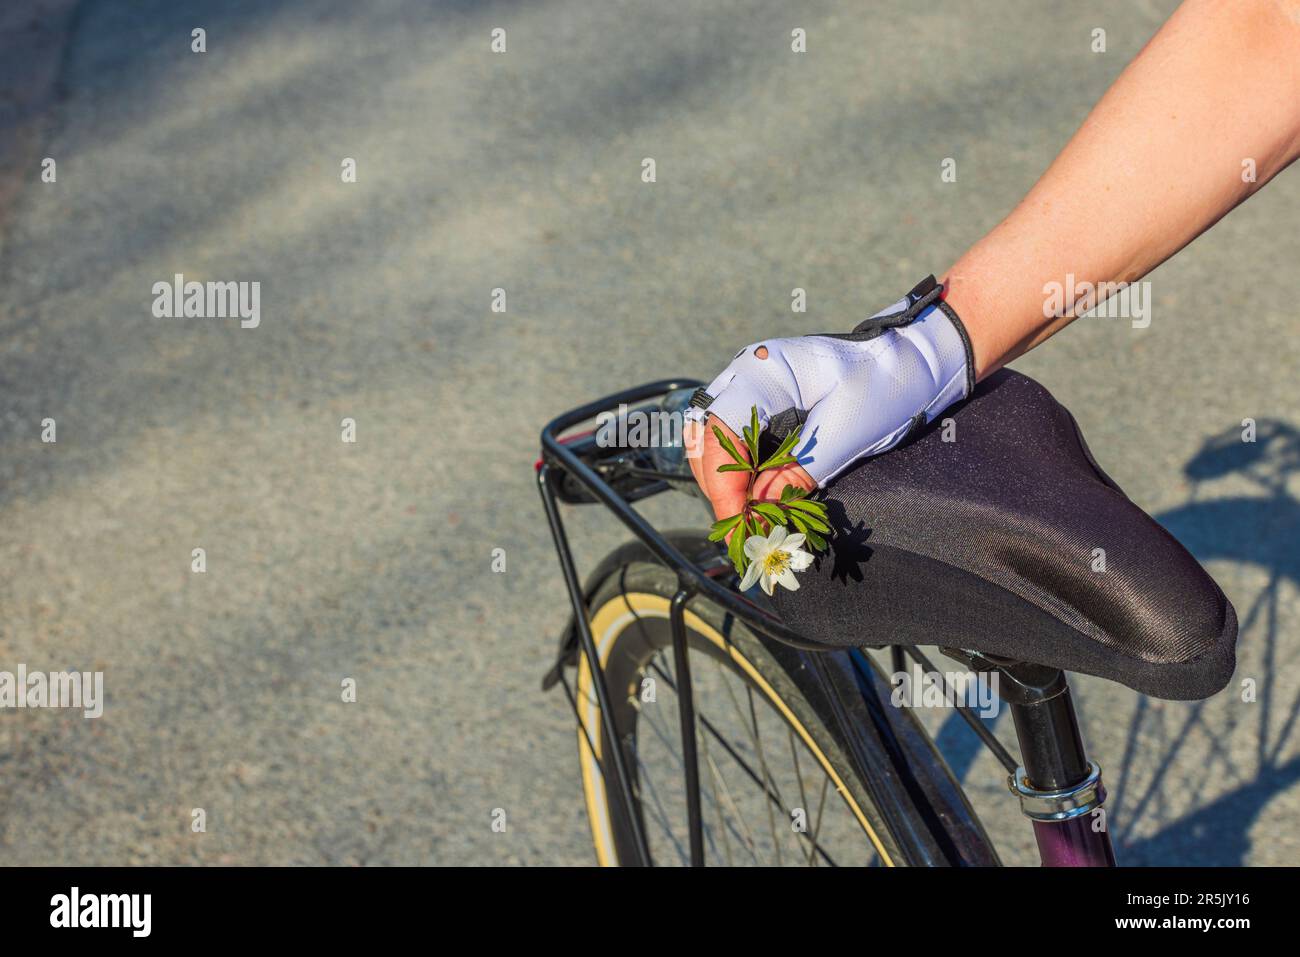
(1158, 161)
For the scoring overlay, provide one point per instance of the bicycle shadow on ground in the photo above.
(1260, 530)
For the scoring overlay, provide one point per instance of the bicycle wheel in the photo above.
(776, 787)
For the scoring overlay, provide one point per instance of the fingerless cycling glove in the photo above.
(854, 394)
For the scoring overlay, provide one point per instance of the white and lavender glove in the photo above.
(855, 394)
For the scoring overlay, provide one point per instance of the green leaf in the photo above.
(778, 457)
(808, 526)
(736, 550)
(751, 434)
(772, 513)
(726, 443)
(775, 463)
(816, 524)
(722, 526)
(814, 513)
(787, 492)
(733, 467)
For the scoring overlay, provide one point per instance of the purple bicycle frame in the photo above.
(1060, 790)
(1073, 843)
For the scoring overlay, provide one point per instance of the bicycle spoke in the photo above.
(670, 740)
(713, 776)
(767, 773)
(798, 774)
(740, 818)
(803, 794)
(731, 820)
(821, 805)
(660, 812)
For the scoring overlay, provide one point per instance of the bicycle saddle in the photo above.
(1009, 540)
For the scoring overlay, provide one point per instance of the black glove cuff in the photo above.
(926, 293)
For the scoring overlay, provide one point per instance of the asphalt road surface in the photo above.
(372, 561)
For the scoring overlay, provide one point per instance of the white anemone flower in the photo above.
(774, 560)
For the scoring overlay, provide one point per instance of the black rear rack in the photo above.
(557, 456)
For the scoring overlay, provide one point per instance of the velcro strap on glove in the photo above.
(922, 296)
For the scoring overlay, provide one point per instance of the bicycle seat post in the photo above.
(1060, 790)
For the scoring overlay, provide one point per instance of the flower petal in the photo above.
(777, 536)
(767, 583)
(755, 546)
(792, 541)
(788, 580)
(800, 560)
(751, 575)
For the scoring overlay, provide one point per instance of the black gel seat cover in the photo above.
(987, 543)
